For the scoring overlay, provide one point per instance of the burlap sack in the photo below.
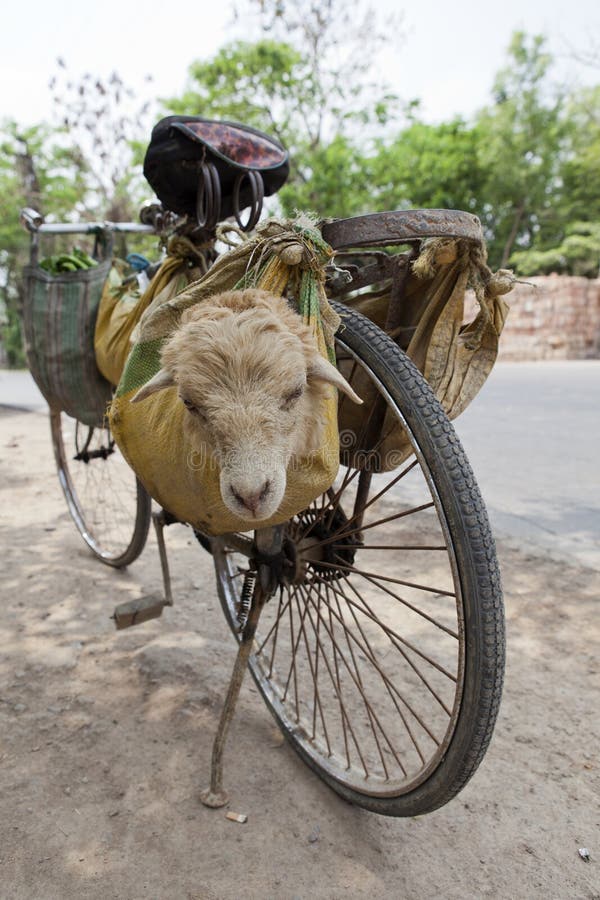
(454, 357)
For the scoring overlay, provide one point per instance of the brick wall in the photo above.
(558, 317)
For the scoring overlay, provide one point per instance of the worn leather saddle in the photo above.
(211, 170)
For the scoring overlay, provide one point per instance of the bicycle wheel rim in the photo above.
(110, 510)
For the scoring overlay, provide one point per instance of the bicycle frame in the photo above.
(34, 223)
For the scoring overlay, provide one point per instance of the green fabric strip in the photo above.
(142, 364)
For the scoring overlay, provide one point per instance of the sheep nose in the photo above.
(251, 500)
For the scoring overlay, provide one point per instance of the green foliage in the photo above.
(580, 172)
(526, 165)
(249, 83)
(82, 166)
(272, 86)
(103, 120)
(341, 41)
(577, 254)
(333, 182)
(433, 166)
(325, 102)
(521, 145)
(38, 170)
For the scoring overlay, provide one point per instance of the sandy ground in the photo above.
(105, 738)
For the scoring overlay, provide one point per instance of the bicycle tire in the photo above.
(112, 511)
(470, 548)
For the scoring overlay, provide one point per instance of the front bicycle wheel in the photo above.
(109, 506)
(382, 655)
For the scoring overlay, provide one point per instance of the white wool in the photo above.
(254, 383)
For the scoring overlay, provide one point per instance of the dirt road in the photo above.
(105, 739)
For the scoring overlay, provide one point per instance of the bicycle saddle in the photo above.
(212, 170)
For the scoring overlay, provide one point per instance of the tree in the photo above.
(323, 103)
(342, 41)
(36, 170)
(81, 166)
(102, 119)
(579, 172)
(577, 254)
(521, 139)
(259, 84)
(268, 85)
(428, 166)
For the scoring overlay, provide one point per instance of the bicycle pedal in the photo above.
(134, 612)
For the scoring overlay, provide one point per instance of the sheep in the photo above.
(250, 375)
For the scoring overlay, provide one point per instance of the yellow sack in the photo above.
(122, 307)
(455, 358)
(283, 258)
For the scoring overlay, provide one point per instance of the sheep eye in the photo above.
(190, 406)
(291, 398)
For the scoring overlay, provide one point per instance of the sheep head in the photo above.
(253, 382)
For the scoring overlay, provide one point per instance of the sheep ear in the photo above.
(320, 369)
(161, 380)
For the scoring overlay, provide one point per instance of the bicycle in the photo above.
(381, 650)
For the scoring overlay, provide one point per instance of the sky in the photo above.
(446, 56)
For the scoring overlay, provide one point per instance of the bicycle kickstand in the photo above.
(150, 606)
(268, 544)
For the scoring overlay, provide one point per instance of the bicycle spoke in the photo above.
(314, 719)
(392, 547)
(341, 532)
(293, 662)
(101, 489)
(361, 692)
(357, 672)
(393, 635)
(272, 660)
(349, 477)
(338, 689)
(374, 576)
(386, 683)
(396, 643)
(293, 665)
(346, 724)
(280, 613)
(375, 582)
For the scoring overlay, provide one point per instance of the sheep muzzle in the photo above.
(251, 489)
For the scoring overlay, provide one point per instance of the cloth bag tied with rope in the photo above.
(283, 258)
(455, 358)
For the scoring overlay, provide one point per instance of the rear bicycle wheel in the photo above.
(108, 504)
(382, 655)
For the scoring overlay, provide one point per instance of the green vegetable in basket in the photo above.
(68, 262)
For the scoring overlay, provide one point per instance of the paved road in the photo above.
(532, 436)
(18, 389)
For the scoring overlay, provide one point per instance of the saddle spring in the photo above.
(208, 197)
